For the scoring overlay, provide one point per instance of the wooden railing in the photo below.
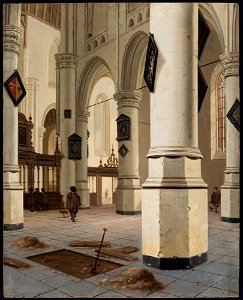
(38, 170)
(41, 171)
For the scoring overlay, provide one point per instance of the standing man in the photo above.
(44, 202)
(31, 199)
(73, 202)
(215, 199)
(37, 197)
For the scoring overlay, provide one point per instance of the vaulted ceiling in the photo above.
(49, 13)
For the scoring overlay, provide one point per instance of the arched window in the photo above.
(218, 113)
(131, 23)
(140, 18)
(102, 126)
(221, 112)
(102, 40)
(52, 64)
(95, 43)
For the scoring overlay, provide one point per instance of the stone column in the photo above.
(13, 215)
(129, 188)
(31, 85)
(57, 96)
(36, 112)
(230, 190)
(41, 131)
(66, 64)
(82, 164)
(174, 196)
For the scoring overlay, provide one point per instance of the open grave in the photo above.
(73, 263)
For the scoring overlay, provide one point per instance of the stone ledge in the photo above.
(230, 220)
(13, 226)
(121, 212)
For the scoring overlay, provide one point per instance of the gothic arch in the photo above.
(132, 60)
(49, 138)
(95, 69)
(49, 107)
(213, 21)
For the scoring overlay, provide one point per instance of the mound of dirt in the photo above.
(29, 242)
(134, 278)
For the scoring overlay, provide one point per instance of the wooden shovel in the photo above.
(93, 270)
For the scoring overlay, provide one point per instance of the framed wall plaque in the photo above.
(15, 88)
(123, 150)
(234, 114)
(74, 146)
(202, 88)
(150, 63)
(123, 127)
(67, 113)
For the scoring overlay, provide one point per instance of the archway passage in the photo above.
(49, 139)
(213, 163)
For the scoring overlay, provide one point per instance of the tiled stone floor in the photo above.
(217, 278)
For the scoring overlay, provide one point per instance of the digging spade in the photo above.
(93, 270)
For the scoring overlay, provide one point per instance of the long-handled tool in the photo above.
(93, 270)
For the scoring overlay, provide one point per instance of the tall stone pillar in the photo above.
(230, 190)
(36, 118)
(66, 64)
(82, 164)
(174, 196)
(13, 215)
(129, 188)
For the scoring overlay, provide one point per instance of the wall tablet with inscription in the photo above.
(234, 114)
(74, 146)
(123, 128)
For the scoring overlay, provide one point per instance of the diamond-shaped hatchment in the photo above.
(234, 114)
(123, 150)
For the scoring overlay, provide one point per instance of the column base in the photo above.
(13, 207)
(174, 226)
(84, 197)
(128, 197)
(174, 263)
(128, 212)
(230, 204)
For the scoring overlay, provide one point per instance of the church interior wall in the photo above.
(212, 169)
(41, 43)
(134, 79)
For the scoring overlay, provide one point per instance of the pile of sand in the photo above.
(134, 278)
(29, 242)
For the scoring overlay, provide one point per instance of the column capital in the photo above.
(128, 98)
(231, 63)
(31, 82)
(66, 60)
(41, 131)
(11, 38)
(82, 115)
